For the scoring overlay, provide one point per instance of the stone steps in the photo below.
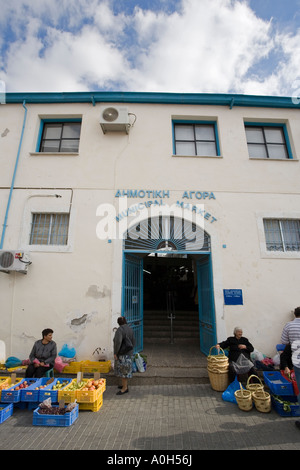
(157, 327)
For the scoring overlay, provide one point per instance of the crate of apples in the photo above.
(91, 391)
(22, 385)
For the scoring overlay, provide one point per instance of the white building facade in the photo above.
(93, 186)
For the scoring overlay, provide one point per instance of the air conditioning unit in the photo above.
(114, 119)
(12, 260)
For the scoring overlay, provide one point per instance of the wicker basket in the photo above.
(244, 399)
(262, 401)
(256, 386)
(218, 379)
(217, 360)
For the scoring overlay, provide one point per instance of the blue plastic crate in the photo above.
(47, 392)
(55, 420)
(5, 411)
(277, 383)
(286, 406)
(30, 393)
(11, 395)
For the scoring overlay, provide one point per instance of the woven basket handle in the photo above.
(243, 390)
(255, 377)
(218, 349)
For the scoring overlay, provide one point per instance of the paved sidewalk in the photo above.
(157, 417)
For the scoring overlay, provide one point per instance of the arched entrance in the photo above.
(180, 251)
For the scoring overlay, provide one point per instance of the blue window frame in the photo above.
(195, 138)
(268, 141)
(59, 136)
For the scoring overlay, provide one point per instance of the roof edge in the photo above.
(230, 100)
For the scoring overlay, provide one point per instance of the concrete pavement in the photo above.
(182, 418)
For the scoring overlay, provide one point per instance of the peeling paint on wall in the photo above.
(96, 293)
(30, 337)
(78, 321)
(4, 133)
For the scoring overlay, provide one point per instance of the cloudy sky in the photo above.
(189, 46)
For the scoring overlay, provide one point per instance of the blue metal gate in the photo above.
(207, 323)
(132, 296)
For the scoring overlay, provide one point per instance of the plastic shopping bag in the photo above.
(228, 394)
(66, 351)
(141, 365)
(242, 365)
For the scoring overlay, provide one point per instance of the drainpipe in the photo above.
(13, 179)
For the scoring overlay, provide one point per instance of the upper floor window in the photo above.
(49, 229)
(282, 234)
(60, 136)
(195, 139)
(267, 141)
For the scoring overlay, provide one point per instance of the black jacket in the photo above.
(286, 358)
(120, 334)
(232, 343)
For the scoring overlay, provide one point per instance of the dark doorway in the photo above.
(165, 278)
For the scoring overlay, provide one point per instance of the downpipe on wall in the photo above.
(13, 179)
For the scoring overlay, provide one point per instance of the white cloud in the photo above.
(206, 46)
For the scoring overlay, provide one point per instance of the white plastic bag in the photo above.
(276, 359)
(139, 363)
(256, 355)
(242, 365)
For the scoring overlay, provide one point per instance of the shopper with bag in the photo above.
(239, 354)
(291, 335)
(123, 351)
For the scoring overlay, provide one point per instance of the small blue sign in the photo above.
(233, 296)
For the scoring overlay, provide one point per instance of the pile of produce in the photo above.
(59, 385)
(46, 408)
(75, 385)
(93, 384)
(24, 384)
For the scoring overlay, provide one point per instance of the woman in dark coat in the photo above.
(123, 354)
(42, 356)
(237, 345)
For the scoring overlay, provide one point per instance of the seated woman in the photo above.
(237, 345)
(42, 356)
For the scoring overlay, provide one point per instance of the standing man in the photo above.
(291, 335)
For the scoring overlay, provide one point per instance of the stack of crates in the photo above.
(283, 398)
(6, 409)
(87, 399)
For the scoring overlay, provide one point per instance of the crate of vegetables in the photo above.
(69, 393)
(91, 391)
(96, 366)
(31, 393)
(55, 415)
(13, 393)
(285, 406)
(6, 410)
(53, 388)
(6, 382)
